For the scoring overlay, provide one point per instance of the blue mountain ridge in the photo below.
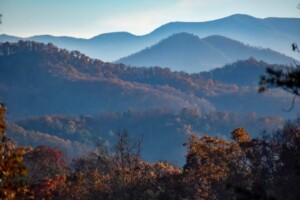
(274, 33)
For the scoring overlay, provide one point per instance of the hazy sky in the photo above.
(87, 18)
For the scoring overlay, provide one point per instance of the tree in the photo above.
(240, 135)
(13, 173)
(287, 174)
(45, 162)
(209, 164)
(287, 78)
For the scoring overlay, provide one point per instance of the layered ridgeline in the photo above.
(40, 79)
(187, 52)
(274, 33)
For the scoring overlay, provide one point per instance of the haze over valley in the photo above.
(203, 106)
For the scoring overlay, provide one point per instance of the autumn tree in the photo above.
(120, 173)
(286, 178)
(47, 168)
(259, 164)
(107, 173)
(45, 162)
(209, 164)
(13, 173)
(240, 135)
(219, 169)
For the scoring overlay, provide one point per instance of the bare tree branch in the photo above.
(292, 106)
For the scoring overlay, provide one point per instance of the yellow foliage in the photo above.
(12, 169)
(209, 160)
(240, 135)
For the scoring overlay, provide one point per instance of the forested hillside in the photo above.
(88, 129)
(150, 102)
(160, 129)
(55, 81)
(39, 79)
(96, 103)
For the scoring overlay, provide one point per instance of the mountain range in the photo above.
(275, 33)
(66, 99)
(187, 52)
(38, 79)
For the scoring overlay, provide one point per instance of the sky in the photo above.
(88, 18)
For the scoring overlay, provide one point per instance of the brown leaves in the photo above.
(12, 170)
(240, 135)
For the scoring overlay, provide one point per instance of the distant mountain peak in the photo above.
(112, 35)
(182, 36)
(187, 52)
(218, 37)
(239, 15)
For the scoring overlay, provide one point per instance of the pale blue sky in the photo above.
(87, 18)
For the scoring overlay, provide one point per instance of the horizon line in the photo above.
(140, 35)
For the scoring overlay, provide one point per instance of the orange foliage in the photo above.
(240, 135)
(13, 172)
